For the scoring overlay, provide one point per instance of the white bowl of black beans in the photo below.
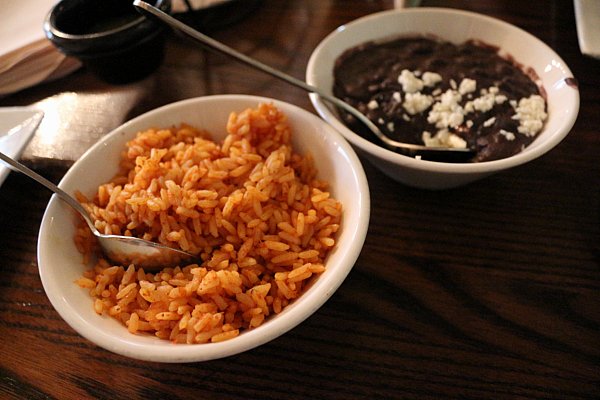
(450, 78)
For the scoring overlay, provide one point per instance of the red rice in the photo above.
(251, 208)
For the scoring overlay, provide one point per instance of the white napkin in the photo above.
(26, 56)
(587, 15)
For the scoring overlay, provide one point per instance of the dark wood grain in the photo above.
(487, 291)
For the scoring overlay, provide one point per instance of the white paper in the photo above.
(587, 15)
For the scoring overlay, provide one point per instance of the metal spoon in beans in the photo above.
(448, 154)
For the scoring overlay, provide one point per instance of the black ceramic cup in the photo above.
(109, 36)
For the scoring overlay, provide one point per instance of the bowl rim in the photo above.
(435, 166)
(308, 303)
(140, 23)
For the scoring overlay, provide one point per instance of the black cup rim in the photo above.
(52, 31)
(97, 43)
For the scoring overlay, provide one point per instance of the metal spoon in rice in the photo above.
(122, 250)
(426, 152)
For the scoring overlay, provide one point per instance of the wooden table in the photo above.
(487, 291)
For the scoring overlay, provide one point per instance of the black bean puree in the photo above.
(370, 72)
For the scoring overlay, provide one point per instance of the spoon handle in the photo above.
(49, 185)
(224, 49)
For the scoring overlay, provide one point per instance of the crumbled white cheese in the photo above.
(489, 122)
(469, 107)
(508, 135)
(531, 114)
(447, 112)
(410, 83)
(450, 98)
(429, 140)
(415, 103)
(467, 86)
(488, 97)
(456, 141)
(530, 127)
(443, 138)
(431, 78)
(485, 102)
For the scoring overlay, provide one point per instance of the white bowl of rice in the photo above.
(421, 91)
(276, 206)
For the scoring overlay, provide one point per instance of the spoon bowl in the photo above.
(123, 250)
